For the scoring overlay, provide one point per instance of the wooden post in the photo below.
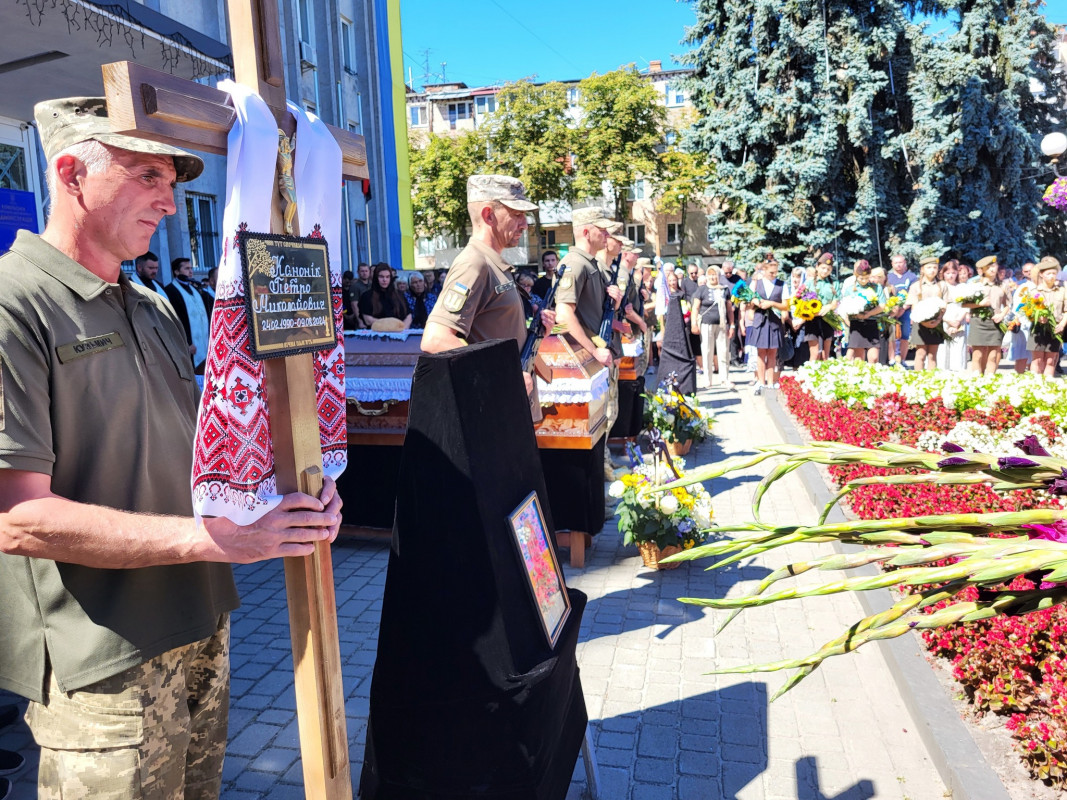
(157, 106)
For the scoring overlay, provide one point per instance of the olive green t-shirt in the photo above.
(479, 299)
(96, 391)
(582, 285)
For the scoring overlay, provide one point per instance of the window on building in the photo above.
(485, 105)
(201, 211)
(13, 168)
(572, 98)
(675, 95)
(303, 10)
(419, 117)
(456, 112)
(637, 191)
(674, 233)
(671, 138)
(348, 45)
(548, 239)
(362, 246)
(636, 232)
(424, 246)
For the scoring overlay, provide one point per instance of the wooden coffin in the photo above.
(378, 372)
(574, 404)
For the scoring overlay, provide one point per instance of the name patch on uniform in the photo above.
(500, 288)
(87, 347)
(456, 297)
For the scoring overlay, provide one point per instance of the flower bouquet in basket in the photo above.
(806, 305)
(971, 293)
(679, 419)
(929, 314)
(661, 523)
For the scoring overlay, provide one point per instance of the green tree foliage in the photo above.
(618, 135)
(799, 105)
(682, 177)
(977, 125)
(529, 139)
(440, 166)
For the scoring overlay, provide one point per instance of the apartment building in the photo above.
(335, 66)
(449, 109)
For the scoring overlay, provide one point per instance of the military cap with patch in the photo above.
(1048, 262)
(930, 260)
(595, 216)
(985, 262)
(501, 188)
(70, 120)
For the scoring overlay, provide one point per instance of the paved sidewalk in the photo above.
(663, 728)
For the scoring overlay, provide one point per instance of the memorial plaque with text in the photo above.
(287, 288)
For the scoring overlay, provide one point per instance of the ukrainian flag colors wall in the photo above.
(394, 132)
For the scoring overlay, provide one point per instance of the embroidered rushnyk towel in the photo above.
(233, 459)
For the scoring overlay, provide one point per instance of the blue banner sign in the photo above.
(17, 210)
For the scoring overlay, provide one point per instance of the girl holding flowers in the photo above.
(863, 302)
(766, 325)
(928, 335)
(819, 333)
(1045, 307)
(952, 355)
(985, 337)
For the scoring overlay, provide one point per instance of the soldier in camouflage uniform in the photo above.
(116, 601)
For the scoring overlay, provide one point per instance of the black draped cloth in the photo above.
(676, 352)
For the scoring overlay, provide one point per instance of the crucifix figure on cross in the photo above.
(162, 108)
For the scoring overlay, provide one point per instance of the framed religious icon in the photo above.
(542, 569)
(288, 293)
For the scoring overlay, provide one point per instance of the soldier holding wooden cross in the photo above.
(116, 600)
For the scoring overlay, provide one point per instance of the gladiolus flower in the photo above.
(1056, 532)
(1032, 447)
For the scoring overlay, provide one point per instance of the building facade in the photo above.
(450, 109)
(333, 61)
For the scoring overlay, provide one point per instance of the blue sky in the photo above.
(484, 42)
(494, 41)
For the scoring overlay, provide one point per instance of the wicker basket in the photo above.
(679, 448)
(651, 554)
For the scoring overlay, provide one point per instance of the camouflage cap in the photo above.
(643, 262)
(596, 216)
(502, 188)
(985, 262)
(70, 120)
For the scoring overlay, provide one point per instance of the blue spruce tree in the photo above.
(802, 107)
(984, 96)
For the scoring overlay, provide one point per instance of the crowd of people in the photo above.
(945, 315)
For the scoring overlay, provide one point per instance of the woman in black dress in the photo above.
(864, 335)
(676, 352)
(984, 336)
(766, 325)
(383, 301)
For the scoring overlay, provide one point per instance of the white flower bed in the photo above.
(859, 383)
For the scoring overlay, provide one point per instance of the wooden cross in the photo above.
(154, 105)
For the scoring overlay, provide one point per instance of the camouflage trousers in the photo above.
(155, 731)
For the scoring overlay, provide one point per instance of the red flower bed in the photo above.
(1016, 667)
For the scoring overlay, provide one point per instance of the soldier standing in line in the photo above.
(479, 300)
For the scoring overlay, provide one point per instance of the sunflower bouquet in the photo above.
(677, 417)
(1037, 311)
(677, 519)
(806, 305)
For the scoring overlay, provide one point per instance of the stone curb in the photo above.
(956, 757)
